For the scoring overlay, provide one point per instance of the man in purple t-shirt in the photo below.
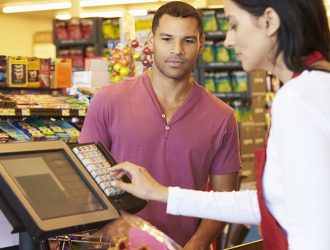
(169, 124)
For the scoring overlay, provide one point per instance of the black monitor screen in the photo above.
(51, 184)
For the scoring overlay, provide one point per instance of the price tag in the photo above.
(7, 112)
(65, 112)
(26, 112)
(82, 112)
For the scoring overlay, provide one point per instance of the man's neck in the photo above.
(171, 90)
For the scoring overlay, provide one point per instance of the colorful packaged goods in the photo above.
(17, 71)
(14, 133)
(223, 82)
(240, 81)
(33, 72)
(44, 74)
(3, 71)
(62, 71)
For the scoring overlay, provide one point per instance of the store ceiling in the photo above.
(149, 6)
(52, 13)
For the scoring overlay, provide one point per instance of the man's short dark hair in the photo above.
(177, 9)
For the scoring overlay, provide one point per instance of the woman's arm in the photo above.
(236, 207)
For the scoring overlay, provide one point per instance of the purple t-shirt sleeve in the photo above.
(227, 160)
(95, 124)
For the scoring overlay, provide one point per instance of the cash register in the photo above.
(46, 191)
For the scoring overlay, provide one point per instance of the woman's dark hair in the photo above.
(177, 9)
(304, 27)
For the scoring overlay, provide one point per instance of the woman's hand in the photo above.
(142, 184)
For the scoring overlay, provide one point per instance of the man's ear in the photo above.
(150, 41)
(202, 42)
(272, 21)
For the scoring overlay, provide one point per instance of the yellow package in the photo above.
(17, 71)
(33, 69)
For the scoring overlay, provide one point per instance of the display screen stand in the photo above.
(29, 173)
(26, 242)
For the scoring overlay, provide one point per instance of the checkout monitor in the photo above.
(51, 188)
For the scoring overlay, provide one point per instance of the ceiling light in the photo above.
(63, 16)
(107, 14)
(37, 7)
(102, 14)
(90, 3)
(141, 12)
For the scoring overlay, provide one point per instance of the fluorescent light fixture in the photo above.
(141, 12)
(90, 3)
(102, 14)
(37, 7)
(108, 14)
(63, 16)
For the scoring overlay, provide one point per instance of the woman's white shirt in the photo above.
(296, 181)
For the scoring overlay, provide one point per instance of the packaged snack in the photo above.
(3, 71)
(74, 30)
(232, 55)
(44, 74)
(110, 29)
(77, 56)
(14, 133)
(223, 24)
(17, 71)
(208, 52)
(209, 21)
(222, 54)
(209, 83)
(86, 27)
(33, 70)
(239, 79)
(223, 82)
(62, 73)
(61, 30)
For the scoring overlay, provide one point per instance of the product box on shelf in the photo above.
(248, 164)
(3, 71)
(17, 71)
(61, 77)
(33, 69)
(44, 74)
(13, 132)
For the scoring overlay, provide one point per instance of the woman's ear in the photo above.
(272, 21)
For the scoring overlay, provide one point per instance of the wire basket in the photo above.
(82, 241)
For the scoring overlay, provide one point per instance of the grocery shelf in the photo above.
(232, 95)
(40, 112)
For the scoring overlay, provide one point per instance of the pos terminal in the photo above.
(46, 191)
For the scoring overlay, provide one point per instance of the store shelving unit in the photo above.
(94, 43)
(203, 67)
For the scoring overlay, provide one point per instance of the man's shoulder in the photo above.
(212, 102)
(125, 86)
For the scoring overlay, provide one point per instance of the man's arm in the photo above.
(208, 230)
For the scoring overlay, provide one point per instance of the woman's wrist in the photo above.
(163, 194)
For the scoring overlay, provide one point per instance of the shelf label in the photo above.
(82, 112)
(65, 112)
(7, 112)
(26, 112)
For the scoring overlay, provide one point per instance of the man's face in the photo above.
(176, 44)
